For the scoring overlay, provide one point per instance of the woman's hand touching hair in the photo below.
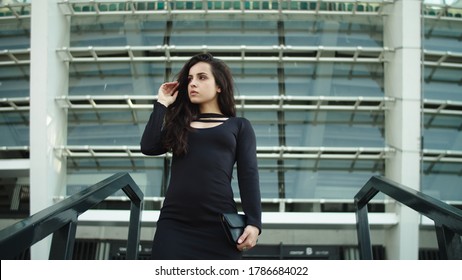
(167, 93)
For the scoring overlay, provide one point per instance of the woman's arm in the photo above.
(151, 140)
(249, 185)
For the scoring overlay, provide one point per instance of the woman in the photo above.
(195, 118)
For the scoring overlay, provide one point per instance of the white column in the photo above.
(403, 121)
(48, 123)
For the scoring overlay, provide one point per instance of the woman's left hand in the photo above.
(248, 239)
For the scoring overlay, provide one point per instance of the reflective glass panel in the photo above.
(224, 33)
(442, 180)
(443, 132)
(328, 179)
(255, 78)
(112, 31)
(14, 81)
(341, 32)
(334, 129)
(442, 83)
(268, 172)
(14, 129)
(442, 35)
(116, 78)
(265, 125)
(84, 172)
(105, 134)
(14, 34)
(333, 79)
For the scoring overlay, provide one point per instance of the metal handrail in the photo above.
(61, 220)
(447, 218)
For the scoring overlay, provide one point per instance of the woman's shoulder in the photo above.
(240, 121)
(241, 124)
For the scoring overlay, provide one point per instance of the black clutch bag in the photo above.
(233, 225)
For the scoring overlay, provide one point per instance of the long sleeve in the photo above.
(151, 141)
(247, 172)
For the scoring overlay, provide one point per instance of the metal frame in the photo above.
(61, 220)
(279, 53)
(447, 218)
(441, 156)
(442, 107)
(277, 152)
(15, 57)
(171, 7)
(353, 155)
(441, 11)
(279, 102)
(17, 10)
(244, 53)
(442, 59)
(19, 104)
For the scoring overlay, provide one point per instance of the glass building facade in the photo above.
(313, 77)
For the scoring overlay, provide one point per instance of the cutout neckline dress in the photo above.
(199, 190)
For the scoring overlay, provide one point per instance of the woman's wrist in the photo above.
(163, 102)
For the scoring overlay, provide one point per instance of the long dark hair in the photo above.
(182, 112)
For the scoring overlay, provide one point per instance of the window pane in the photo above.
(224, 33)
(265, 125)
(442, 35)
(255, 78)
(268, 171)
(105, 134)
(14, 129)
(112, 31)
(14, 34)
(442, 180)
(84, 172)
(116, 78)
(334, 129)
(329, 179)
(333, 79)
(442, 83)
(14, 81)
(443, 132)
(334, 33)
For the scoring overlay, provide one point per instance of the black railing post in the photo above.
(450, 246)
(61, 220)
(62, 244)
(362, 220)
(447, 218)
(363, 233)
(136, 207)
(134, 231)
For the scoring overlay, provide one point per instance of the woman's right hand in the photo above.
(167, 93)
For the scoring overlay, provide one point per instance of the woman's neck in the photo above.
(204, 109)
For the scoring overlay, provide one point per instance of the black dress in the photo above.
(189, 224)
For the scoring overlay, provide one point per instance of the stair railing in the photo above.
(447, 218)
(61, 218)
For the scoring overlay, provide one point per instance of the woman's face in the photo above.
(202, 89)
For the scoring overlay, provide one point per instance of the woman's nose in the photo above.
(192, 83)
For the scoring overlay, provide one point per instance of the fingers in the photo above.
(168, 93)
(248, 244)
(248, 239)
(170, 88)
